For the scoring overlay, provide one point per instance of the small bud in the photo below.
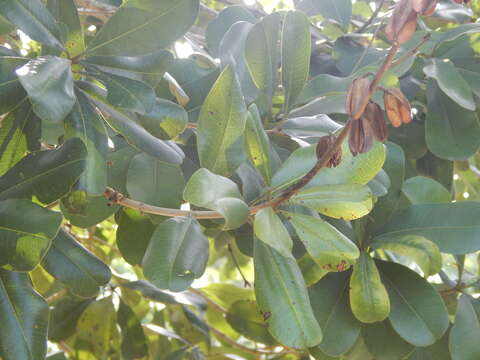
(397, 107)
(373, 116)
(324, 143)
(356, 97)
(360, 138)
(403, 22)
(424, 7)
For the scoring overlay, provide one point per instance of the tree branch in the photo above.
(373, 17)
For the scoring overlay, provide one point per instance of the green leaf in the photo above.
(221, 125)
(349, 201)
(96, 326)
(453, 226)
(423, 251)
(25, 314)
(330, 304)
(166, 120)
(70, 263)
(332, 250)
(137, 136)
(368, 296)
(324, 85)
(47, 174)
(34, 20)
(421, 189)
(134, 343)
(85, 123)
(417, 312)
(220, 25)
(452, 132)
(26, 232)
(283, 299)
(133, 235)
(352, 170)
(150, 291)
(155, 182)
(311, 271)
(296, 48)
(11, 91)
(64, 317)
(176, 255)
(451, 82)
(257, 143)
(49, 83)
(383, 342)
(463, 341)
(309, 126)
(218, 193)
(245, 318)
(140, 27)
(339, 11)
(269, 229)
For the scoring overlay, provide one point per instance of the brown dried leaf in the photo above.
(424, 7)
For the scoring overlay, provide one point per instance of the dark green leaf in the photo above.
(26, 232)
(339, 11)
(463, 342)
(134, 343)
(11, 91)
(65, 12)
(166, 120)
(151, 292)
(64, 317)
(383, 342)
(24, 314)
(176, 255)
(80, 270)
(47, 174)
(421, 189)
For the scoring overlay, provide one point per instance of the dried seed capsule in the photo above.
(403, 20)
(324, 143)
(357, 97)
(397, 107)
(424, 7)
(373, 116)
(360, 138)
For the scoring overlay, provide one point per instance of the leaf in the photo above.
(283, 299)
(85, 123)
(257, 143)
(80, 270)
(309, 127)
(452, 226)
(126, 93)
(311, 271)
(245, 317)
(339, 11)
(421, 189)
(220, 25)
(296, 48)
(451, 82)
(176, 255)
(349, 201)
(368, 296)
(269, 229)
(133, 235)
(25, 314)
(452, 132)
(26, 232)
(221, 124)
(423, 251)
(47, 174)
(11, 91)
(49, 84)
(324, 85)
(134, 343)
(383, 342)
(417, 312)
(352, 170)
(218, 193)
(330, 249)
(150, 291)
(64, 317)
(142, 27)
(463, 341)
(155, 182)
(137, 136)
(34, 20)
(166, 120)
(330, 304)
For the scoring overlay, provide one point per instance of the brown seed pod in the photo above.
(373, 116)
(397, 107)
(403, 20)
(360, 138)
(324, 143)
(424, 7)
(356, 97)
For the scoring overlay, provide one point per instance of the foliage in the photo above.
(186, 179)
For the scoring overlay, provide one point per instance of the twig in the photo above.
(373, 17)
(208, 300)
(246, 283)
(411, 52)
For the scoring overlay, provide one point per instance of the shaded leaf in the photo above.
(383, 342)
(339, 11)
(421, 189)
(64, 317)
(166, 120)
(134, 343)
(11, 91)
(463, 341)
